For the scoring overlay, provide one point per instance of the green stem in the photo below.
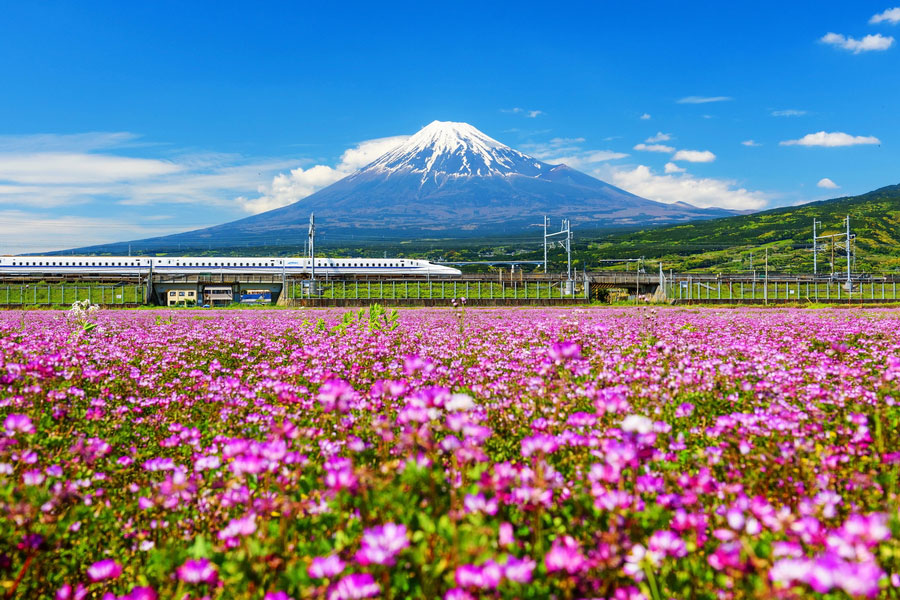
(651, 579)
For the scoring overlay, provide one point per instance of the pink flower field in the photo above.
(456, 454)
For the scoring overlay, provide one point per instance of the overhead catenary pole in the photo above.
(766, 285)
(815, 249)
(312, 246)
(849, 281)
(565, 230)
(569, 251)
(546, 222)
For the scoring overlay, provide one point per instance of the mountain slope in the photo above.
(725, 244)
(447, 180)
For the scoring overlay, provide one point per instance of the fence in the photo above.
(803, 290)
(409, 290)
(64, 295)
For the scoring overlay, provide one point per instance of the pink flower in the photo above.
(354, 587)
(475, 503)
(519, 569)
(562, 351)
(339, 474)
(66, 592)
(325, 566)
(33, 477)
(506, 536)
(140, 593)
(541, 443)
(486, 576)
(336, 394)
(458, 594)
(198, 570)
(565, 555)
(667, 543)
(239, 527)
(104, 569)
(18, 423)
(381, 544)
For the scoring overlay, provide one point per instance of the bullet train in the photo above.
(183, 265)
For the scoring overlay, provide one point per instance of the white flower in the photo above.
(459, 402)
(637, 424)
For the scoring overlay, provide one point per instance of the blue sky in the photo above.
(124, 120)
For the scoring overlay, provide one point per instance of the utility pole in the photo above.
(766, 286)
(662, 283)
(312, 247)
(832, 257)
(569, 248)
(546, 222)
(849, 280)
(815, 247)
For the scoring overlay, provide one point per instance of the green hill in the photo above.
(726, 244)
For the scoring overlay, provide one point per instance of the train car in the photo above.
(78, 265)
(185, 265)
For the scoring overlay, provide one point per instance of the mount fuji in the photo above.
(447, 180)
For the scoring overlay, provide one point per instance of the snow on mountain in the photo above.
(448, 149)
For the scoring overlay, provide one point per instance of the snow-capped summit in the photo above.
(447, 149)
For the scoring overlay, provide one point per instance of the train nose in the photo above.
(450, 271)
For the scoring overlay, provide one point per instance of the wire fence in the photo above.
(798, 290)
(399, 290)
(36, 294)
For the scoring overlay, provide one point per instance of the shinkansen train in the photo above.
(181, 265)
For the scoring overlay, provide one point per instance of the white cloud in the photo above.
(71, 167)
(569, 151)
(891, 15)
(524, 112)
(788, 113)
(673, 168)
(659, 137)
(67, 142)
(645, 117)
(867, 44)
(366, 152)
(561, 141)
(594, 156)
(702, 192)
(703, 99)
(827, 184)
(831, 140)
(287, 188)
(695, 156)
(654, 148)
(25, 231)
(751, 143)
(60, 170)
